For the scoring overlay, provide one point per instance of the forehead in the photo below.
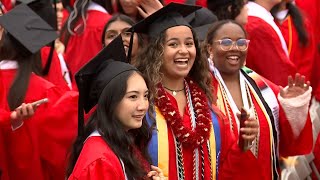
(179, 32)
(230, 30)
(135, 82)
(118, 25)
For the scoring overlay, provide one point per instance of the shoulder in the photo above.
(97, 158)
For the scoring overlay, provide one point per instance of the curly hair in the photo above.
(150, 61)
(229, 10)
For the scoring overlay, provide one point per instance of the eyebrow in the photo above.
(176, 39)
(147, 91)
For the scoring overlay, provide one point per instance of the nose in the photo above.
(183, 49)
(234, 46)
(143, 105)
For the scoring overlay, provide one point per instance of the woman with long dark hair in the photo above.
(81, 33)
(37, 148)
(113, 144)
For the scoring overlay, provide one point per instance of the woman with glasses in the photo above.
(282, 113)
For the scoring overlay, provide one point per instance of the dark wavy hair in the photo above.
(228, 10)
(297, 19)
(124, 18)
(150, 60)
(12, 49)
(79, 15)
(105, 121)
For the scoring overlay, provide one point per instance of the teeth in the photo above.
(233, 57)
(181, 60)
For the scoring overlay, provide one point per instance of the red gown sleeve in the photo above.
(265, 54)
(290, 146)
(4, 118)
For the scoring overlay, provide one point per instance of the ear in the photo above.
(229, 8)
(210, 51)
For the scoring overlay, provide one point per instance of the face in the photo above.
(179, 52)
(134, 105)
(242, 18)
(129, 7)
(120, 27)
(228, 61)
(59, 14)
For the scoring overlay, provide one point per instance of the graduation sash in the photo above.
(159, 144)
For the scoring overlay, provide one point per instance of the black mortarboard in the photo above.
(200, 21)
(25, 1)
(169, 16)
(28, 28)
(93, 77)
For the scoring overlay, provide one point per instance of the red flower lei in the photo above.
(185, 135)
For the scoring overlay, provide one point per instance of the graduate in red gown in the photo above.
(285, 125)
(37, 149)
(82, 32)
(268, 53)
(113, 144)
(191, 140)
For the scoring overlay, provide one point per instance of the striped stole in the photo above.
(159, 144)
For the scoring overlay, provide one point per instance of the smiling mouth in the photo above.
(181, 61)
(138, 117)
(233, 59)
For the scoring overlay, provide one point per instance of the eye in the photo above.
(226, 42)
(189, 44)
(241, 42)
(133, 96)
(111, 35)
(173, 44)
(126, 34)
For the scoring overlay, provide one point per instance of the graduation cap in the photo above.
(169, 16)
(93, 77)
(28, 28)
(200, 21)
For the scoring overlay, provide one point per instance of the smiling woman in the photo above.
(278, 115)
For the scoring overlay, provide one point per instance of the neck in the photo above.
(173, 84)
(234, 77)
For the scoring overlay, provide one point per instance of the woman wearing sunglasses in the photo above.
(282, 113)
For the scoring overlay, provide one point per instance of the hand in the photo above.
(251, 129)
(156, 173)
(295, 87)
(148, 7)
(23, 112)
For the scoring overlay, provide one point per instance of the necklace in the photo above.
(174, 92)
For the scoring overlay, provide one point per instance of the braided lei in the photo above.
(187, 136)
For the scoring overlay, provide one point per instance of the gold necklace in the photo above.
(174, 92)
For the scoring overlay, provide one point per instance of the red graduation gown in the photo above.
(265, 54)
(97, 161)
(311, 8)
(37, 150)
(55, 74)
(233, 164)
(302, 56)
(288, 145)
(82, 47)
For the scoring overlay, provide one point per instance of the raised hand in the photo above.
(296, 87)
(148, 7)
